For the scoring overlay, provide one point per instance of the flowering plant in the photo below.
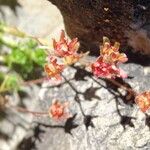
(64, 47)
(59, 110)
(106, 65)
(65, 54)
(66, 51)
(53, 69)
(143, 100)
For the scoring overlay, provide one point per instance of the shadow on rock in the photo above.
(81, 74)
(90, 93)
(128, 98)
(69, 125)
(12, 4)
(147, 121)
(137, 58)
(29, 143)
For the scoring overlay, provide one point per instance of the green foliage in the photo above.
(25, 57)
(10, 82)
(2, 76)
(22, 57)
(39, 57)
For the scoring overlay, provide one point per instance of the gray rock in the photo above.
(38, 18)
(117, 125)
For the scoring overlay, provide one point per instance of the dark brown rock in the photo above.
(90, 20)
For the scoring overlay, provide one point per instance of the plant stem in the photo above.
(36, 81)
(2, 86)
(7, 42)
(24, 110)
(24, 83)
(131, 91)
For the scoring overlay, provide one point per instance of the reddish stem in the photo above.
(36, 81)
(131, 91)
(24, 110)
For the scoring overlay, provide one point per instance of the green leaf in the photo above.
(2, 76)
(18, 56)
(39, 57)
(20, 61)
(10, 82)
(28, 66)
(31, 44)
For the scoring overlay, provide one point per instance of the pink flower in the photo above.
(106, 70)
(64, 47)
(106, 65)
(53, 69)
(59, 110)
(143, 101)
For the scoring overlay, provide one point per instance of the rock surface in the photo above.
(119, 20)
(39, 18)
(102, 118)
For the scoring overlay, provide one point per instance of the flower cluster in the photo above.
(65, 50)
(53, 69)
(106, 65)
(143, 100)
(64, 47)
(59, 110)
